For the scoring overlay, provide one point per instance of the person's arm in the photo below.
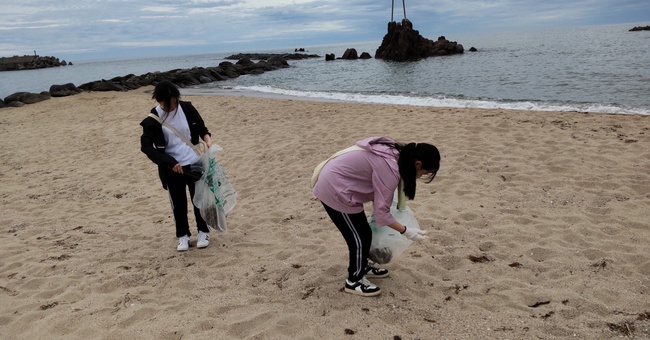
(150, 129)
(384, 183)
(384, 190)
(398, 227)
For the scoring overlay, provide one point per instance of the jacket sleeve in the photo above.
(156, 153)
(384, 184)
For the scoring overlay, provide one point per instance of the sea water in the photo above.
(595, 69)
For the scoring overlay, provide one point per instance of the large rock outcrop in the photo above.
(403, 43)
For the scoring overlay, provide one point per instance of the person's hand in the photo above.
(207, 140)
(178, 168)
(414, 234)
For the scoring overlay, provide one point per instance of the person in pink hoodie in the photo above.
(371, 173)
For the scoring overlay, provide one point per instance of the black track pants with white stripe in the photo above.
(177, 186)
(358, 235)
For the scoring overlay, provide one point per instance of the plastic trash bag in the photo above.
(214, 194)
(387, 243)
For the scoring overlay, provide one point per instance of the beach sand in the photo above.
(539, 226)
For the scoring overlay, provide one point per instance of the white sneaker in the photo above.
(183, 243)
(203, 241)
(362, 287)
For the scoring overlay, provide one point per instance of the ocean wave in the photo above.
(415, 100)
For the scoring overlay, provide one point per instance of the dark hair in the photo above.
(408, 155)
(164, 92)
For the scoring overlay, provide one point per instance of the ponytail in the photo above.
(427, 154)
(407, 170)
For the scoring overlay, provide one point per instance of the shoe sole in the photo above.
(182, 249)
(201, 247)
(373, 276)
(356, 292)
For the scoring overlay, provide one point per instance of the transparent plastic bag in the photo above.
(214, 194)
(387, 243)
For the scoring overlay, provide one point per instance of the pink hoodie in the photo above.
(354, 178)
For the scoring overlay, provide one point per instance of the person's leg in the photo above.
(201, 225)
(203, 239)
(358, 236)
(176, 187)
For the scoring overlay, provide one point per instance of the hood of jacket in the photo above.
(377, 145)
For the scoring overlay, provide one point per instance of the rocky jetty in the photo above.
(403, 43)
(640, 28)
(30, 62)
(181, 77)
(270, 56)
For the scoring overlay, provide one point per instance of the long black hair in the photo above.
(410, 153)
(164, 92)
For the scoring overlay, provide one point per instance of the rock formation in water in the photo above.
(640, 28)
(403, 43)
(30, 62)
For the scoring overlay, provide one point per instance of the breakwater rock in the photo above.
(30, 62)
(639, 28)
(181, 77)
(403, 43)
(270, 56)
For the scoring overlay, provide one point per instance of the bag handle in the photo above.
(196, 148)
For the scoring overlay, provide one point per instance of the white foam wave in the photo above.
(443, 101)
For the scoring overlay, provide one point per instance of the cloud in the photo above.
(94, 28)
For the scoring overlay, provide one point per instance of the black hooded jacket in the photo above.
(152, 141)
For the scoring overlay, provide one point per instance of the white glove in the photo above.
(414, 234)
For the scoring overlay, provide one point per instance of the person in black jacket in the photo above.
(174, 156)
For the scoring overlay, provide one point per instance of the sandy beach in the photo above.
(539, 226)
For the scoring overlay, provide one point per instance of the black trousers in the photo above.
(177, 186)
(358, 235)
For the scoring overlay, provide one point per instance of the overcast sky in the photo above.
(99, 29)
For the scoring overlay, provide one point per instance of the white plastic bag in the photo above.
(214, 195)
(387, 243)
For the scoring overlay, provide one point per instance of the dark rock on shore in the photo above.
(27, 97)
(180, 77)
(64, 90)
(30, 62)
(403, 43)
(640, 28)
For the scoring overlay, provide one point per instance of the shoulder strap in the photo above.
(319, 167)
(177, 133)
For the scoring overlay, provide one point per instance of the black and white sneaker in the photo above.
(377, 273)
(362, 287)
